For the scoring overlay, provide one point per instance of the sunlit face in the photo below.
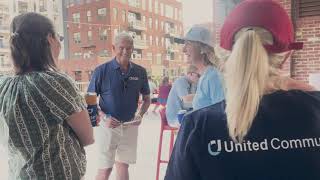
(192, 52)
(123, 50)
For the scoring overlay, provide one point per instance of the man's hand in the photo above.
(138, 119)
(100, 116)
(112, 122)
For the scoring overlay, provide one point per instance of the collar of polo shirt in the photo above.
(116, 65)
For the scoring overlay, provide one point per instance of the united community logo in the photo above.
(215, 147)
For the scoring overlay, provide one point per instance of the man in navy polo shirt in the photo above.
(119, 83)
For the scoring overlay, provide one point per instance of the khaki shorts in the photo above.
(117, 144)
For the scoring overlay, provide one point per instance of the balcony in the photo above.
(137, 25)
(82, 86)
(4, 10)
(139, 43)
(135, 4)
(172, 33)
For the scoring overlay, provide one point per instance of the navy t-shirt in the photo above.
(119, 92)
(283, 142)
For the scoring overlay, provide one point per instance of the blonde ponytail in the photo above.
(246, 76)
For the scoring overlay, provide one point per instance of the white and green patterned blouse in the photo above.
(41, 144)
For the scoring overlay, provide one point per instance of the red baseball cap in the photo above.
(266, 14)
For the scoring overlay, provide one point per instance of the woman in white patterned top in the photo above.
(46, 117)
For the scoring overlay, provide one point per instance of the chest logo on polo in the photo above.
(132, 78)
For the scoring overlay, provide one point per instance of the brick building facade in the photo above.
(92, 26)
(305, 15)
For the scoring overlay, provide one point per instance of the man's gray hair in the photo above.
(123, 36)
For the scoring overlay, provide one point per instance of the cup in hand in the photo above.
(181, 114)
(91, 99)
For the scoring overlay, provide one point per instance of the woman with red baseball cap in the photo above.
(269, 126)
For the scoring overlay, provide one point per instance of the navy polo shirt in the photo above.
(119, 92)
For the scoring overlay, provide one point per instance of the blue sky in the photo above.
(196, 11)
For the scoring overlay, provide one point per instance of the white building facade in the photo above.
(11, 8)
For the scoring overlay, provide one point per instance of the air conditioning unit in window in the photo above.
(86, 55)
(138, 56)
(168, 57)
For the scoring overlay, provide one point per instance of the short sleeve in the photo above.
(214, 87)
(182, 88)
(59, 94)
(145, 90)
(95, 82)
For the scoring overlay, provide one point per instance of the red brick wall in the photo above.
(307, 60)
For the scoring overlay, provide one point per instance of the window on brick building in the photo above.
(144, 20)
(156, 24)
(162, 26)
(149, 56)
(103, 35)
(308, 8)
(115, 14)
(226, 7)
(159, 58)
(77, 75)
(102, 13)
(104, 53)
(43, 5)
(180, 15)
(123, 16)
(161, 9)
(143, 3)
(150, 23)
(156, 7)
(2, 61)
(89, 73)
(77, 55)
(168, 11)
(2, 42)
(150, 40)
(150, 5)
(162, 41)
(76, 17)
(89, 18)
(89, 36)
(76, 38)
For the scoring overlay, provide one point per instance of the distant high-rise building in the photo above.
(5, 64)
(153, 24)
(10, 8)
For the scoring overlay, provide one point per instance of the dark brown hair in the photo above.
(30, 49)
